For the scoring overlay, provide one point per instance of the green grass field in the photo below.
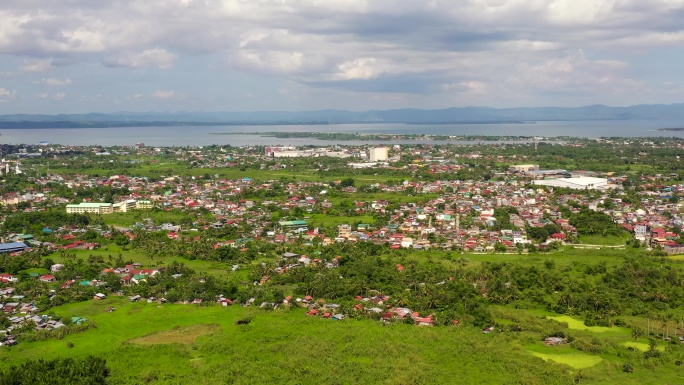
(172, 168)
(571, 358)
(151, 343)
(610, 240)
(329, 220)
(201, 266)
(178, 344)
(641, 346)
(579, 325)
(129, 219)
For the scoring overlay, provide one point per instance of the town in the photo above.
(341, 232)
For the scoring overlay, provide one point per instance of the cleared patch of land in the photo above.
(178, 335)
(609, 240)
(574, 360)
(579, 325)
(641, 346)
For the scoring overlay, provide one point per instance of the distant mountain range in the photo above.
(407, 115)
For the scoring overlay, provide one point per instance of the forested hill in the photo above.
(407, 115)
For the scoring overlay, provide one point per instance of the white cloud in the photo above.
(91, 98)
(574, 72)
(6, 95)
(56, 82)
(365, 68)
(155, 57)
(165, 95)
(59, 96)
(505, 49)
(471, 86)
(269, 61)
(37, 66)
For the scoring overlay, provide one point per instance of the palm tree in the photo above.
(661, 319)
(402, 299)
(566, 298)
(668, 317)
(597, 303)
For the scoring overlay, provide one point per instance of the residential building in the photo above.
(344, 231)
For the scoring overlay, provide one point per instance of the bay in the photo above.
(207, 135)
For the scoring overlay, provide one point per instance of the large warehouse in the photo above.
(577, 183)
(12, 247)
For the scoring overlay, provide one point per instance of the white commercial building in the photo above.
(378, 154)
(578, 183)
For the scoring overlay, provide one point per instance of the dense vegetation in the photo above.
(35, 222)
(86, 371)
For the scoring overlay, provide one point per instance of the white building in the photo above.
(362, 165)
(344, 231)
(378, 154)
(93, 208)
(124, 206)
(289, 154)
(523, 168)
(579, 183)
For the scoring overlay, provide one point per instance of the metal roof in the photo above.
(14, 246)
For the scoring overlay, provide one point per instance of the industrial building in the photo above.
(12, 247)
(578, 183)
(293, 225)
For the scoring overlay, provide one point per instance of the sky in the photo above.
(78, 56)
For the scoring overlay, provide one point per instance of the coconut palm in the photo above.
(668, 317)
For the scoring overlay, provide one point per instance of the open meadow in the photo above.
(178, 344)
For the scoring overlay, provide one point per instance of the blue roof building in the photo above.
(12, 247)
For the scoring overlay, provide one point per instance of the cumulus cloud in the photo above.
(364, 68)
(37, 65)
(7, 95)
(56, 82)
(571, 73)
(166, 95)
(268, 61)
(59, 96)
(155, 57)
(478, 47)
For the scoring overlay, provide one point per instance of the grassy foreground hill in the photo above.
(175, 344)
(180, 344)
